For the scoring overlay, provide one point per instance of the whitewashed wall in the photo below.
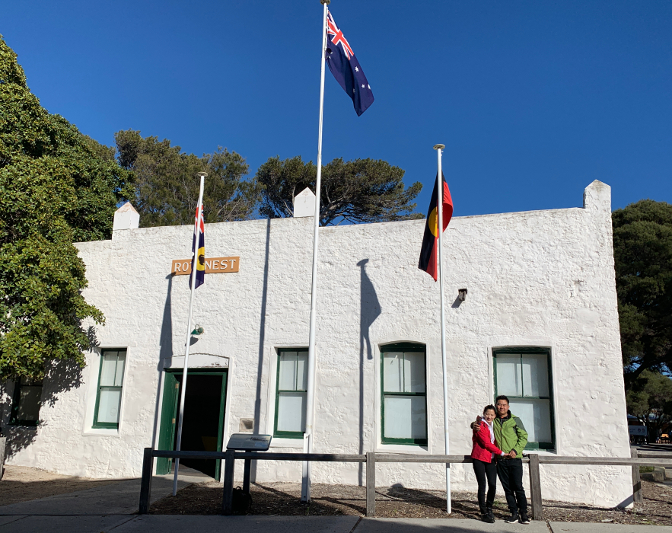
(539, 278)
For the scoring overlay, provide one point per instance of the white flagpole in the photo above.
(439, 186)
(186, 349)
(310, 394)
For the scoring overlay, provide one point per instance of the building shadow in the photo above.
(262, 339)
(369, 311)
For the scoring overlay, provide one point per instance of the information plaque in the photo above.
(249, 442)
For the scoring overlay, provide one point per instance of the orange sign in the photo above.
(213, 265)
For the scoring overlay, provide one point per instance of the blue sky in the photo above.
(533, 99)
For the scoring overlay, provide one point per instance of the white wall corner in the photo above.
(597, 196)
(126, 217)
(304, 204)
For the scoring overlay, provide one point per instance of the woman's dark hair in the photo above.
(501, 397)
(488, 407)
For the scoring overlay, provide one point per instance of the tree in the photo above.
(167, 186)
(363, 190)
(643, 261)
(650, 400)
(55, 188)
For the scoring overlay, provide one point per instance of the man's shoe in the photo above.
(489, 518)
(513, 519)
(524, 519)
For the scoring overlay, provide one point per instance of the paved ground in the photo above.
(288, 524)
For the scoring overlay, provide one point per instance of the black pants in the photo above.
(485, 470)
(511, 476)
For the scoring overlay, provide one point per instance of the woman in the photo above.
(484, 467)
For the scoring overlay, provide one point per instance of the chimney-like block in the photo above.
(304, 204)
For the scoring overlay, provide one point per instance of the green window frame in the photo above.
(110, 387)
(291, 393)
(26, 402)
(403, 391)
(526, 377)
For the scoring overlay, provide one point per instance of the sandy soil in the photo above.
(398, 502)
(20, 484)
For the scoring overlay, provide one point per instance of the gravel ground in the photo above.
(399, 502)
(22, 484)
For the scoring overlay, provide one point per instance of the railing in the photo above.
(371, 458)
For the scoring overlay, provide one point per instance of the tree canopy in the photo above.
(650, 399)
(363, 190)
(56, 187)
(643, 261)
(167, 186)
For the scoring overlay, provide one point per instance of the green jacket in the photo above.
(510, 434)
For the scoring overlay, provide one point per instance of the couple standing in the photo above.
(498, 443)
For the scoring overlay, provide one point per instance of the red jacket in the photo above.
(483, 448)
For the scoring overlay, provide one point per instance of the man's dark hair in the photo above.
(488, 407)
(501, 397)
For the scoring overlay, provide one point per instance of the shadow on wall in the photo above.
(262, 339)
(60, 377)
(369, 311)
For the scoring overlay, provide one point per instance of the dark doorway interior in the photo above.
(202, 423)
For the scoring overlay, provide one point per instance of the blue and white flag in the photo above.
(345, 67)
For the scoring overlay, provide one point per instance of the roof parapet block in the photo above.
(597, 197)
(126, 217)
(304, 204)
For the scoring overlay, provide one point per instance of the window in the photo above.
(110, 380)
(524, 376)
(404, 402)
(26, 402)
(290, 397)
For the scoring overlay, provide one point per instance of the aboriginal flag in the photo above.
(199, 237)
(429, 253)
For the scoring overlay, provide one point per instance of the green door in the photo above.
(201, 412)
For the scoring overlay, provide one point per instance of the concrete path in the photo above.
(115, 499)
(293, 524)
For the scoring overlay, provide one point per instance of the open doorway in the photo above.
(203, 425)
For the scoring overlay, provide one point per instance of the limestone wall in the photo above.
(539, 278)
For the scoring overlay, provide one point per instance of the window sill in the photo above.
(101, 432)
(418, 449)
(540, 452)
(283, 442)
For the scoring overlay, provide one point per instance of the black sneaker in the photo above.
(512, 519)
(488, 518)
(524, 519)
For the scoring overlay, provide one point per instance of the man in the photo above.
(511, 438)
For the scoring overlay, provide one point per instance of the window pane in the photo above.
(29, 403)
(414, 372)
(508, 375)
(291, 411)
(108, 405)
(119, 375)
(405, 417)
(302, 370)
(287, 375)
(393, 371)
(536, 417)
(109, 369)
(535, 375)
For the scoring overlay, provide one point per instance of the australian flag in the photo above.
(345, 67)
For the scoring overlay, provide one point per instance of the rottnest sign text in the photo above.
(213, 265)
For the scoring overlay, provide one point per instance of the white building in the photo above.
(539, 324)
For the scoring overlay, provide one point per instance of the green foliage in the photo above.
(643, 260)
(55, 188)
(167, 185)
(364, 190)
(650, 399)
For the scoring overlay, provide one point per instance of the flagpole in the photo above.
(310, 394)
(439, 187)
(186, 349)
